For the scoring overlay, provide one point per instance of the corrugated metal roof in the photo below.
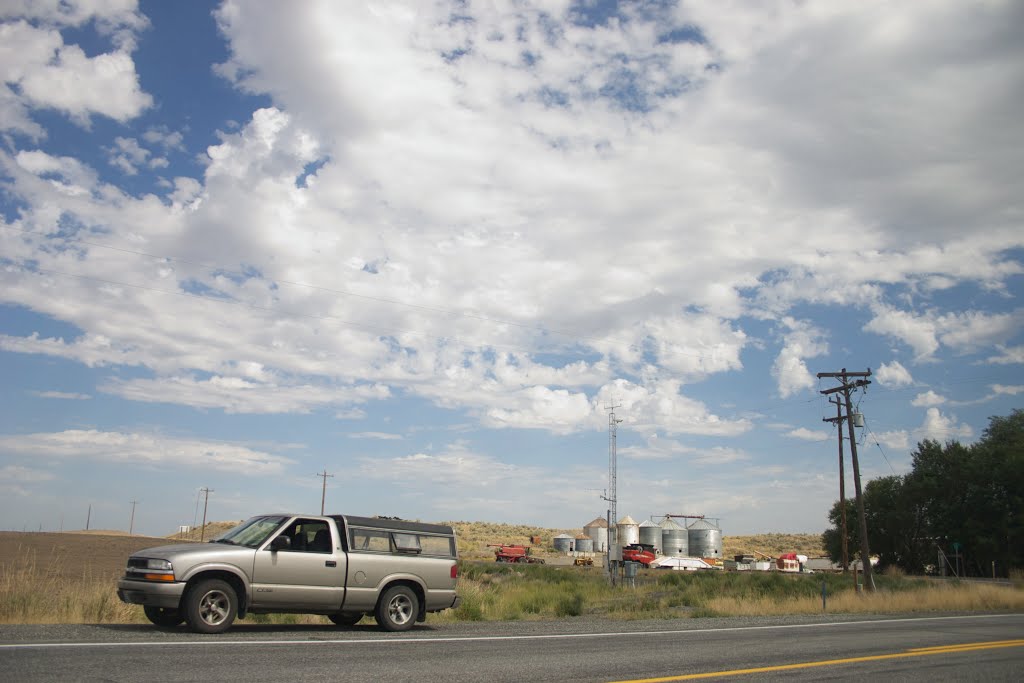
(598, 522)
(627, 520)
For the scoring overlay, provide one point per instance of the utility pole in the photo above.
(838, 422)
(206, 491)
(846, 387)
(88, 517)
(323, 493)
(131, 521)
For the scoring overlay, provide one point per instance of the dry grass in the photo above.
(68, 578)
(961, 597)
(32, 593)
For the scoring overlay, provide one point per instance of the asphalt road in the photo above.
(950, 648)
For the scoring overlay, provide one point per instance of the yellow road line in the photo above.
(917, 652)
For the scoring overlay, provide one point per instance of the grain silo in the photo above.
(598, 530)
(705, 539)
(675, 540)
(584, 544)
(628, 532)
(650, 534)
(562, 543)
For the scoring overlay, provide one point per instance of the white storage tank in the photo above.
(705, 539)
(650, 534)
(675, 540)
(584, 544)
(598, 531)
(562, 543)
(628, 532)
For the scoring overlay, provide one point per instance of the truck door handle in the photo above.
(330, 563)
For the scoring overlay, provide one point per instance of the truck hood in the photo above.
(194, 553)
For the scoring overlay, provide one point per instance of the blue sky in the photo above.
(424, 246)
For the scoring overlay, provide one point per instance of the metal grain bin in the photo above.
(598, 530)
(584, 544)
(563, 543)
(628, 531)
(705, 539)
(650, 534)
(675, 540)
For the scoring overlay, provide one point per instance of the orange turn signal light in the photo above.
(158, 577)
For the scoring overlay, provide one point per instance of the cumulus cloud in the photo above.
(62, 395)
(805, 434)
(928, 399)
(895, 439)
(893, 375)
(939, 427)
(145, 450)
(801, 341)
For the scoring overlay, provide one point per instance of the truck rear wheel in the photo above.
(397, 609)
(168, 617)
(211, 606)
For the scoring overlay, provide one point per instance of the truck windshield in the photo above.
(252, 532)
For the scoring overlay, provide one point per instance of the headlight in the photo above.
(150, 569)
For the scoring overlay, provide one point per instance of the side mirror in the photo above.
(282, 542)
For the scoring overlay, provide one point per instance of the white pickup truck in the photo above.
(341, 566)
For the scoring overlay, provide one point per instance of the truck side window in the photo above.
(309, 536)
(438, 545)
(370, 539)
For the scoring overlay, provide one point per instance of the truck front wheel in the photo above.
(211, 606)
(397, 609)
(168, 617)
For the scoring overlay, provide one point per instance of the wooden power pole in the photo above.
(323, 492)
(844, 544)
(206, 500)
(847, 386)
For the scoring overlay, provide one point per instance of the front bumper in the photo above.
(150, 593)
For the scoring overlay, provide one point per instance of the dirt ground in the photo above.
(72, 555)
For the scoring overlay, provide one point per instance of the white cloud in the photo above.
(895, 439)
(893, 375)
(919, 333)
(963, 332)
(1004, 390)
(805, 434)
(17, 474)
(382, 436)
(1008, 355)
(238, 395)
(802, 341)
(62, 395)
(148, 450)
(939, 427)
(928, 399)
(655, 448)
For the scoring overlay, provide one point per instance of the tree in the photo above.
(968, 498)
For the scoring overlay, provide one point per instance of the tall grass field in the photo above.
(501, 592)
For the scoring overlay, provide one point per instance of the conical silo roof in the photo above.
(598, 522)
(703, 524)
(627, 520)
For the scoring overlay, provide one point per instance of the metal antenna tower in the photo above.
(612, 497)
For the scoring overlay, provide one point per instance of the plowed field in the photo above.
(75, 556)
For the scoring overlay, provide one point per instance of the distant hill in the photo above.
(473, 538)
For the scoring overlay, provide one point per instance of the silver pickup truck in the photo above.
(340, 566)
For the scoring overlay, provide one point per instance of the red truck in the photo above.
(638, 552)
(514, 553)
